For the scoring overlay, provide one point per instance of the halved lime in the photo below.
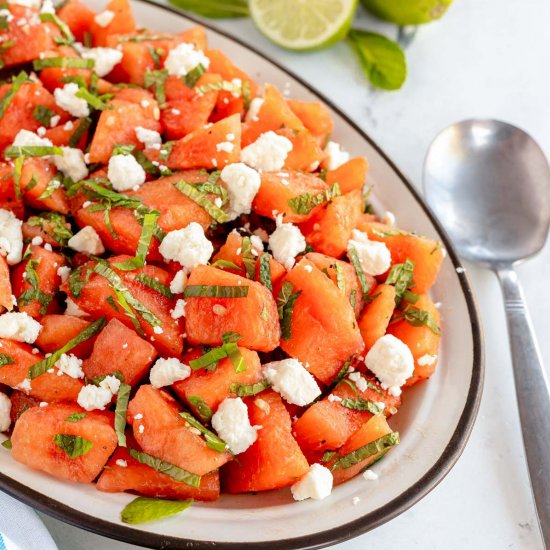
(303, 24)
(408, 12)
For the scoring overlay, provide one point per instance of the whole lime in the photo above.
(407, 12)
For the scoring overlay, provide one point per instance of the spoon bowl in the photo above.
(489, 183)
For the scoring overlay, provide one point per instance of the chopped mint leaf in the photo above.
(153, 284)
(198, 403)
(73, 445)
(202, 200)
(6, 359)
(285, 306)
(213, 291)
(144, 509)
(212, 440)
(175, 472)
(361, 404)
(76, 417)
(249, 390)
(368, 450)
(123, 396)
(306, 202)
(265, 271)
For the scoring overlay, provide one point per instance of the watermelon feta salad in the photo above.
(195, 294)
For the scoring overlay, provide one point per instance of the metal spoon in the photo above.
(489, 184)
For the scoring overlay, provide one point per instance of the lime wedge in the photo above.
(303, 24)
(407, 12)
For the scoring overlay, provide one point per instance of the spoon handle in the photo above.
(533, 394)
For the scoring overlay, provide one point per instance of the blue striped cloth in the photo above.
(21, 528)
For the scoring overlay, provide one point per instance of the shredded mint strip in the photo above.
(62, 26)
(175, 472)
(249, 390)
(199, 404)
(202, 200)
(229, 349)
(417, 318)
(63, 62)
(43, 114)
(14, 151)
(402, 277)
(193, 76)
(212, 440)
(7, 98)
(76, 417)
(265, 271)
(249, 260)
(225, 264)
(153, 284)
(94, 101)
(213, 291)
(73, 445)
(354, 259)
(361, 404)
(368, 450)
(42, 366)
(144, 509)
(6, 359)
(303, 204)
(285, 306)
(123, 396)
(147, 231)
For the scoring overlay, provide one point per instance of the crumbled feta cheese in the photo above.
(141, 429)
(111, 383)
(37, 241)
(167, 371)
(122, 463)
(334, 398)
(290, 379)
(232, 424)
(254, 109)
(19, 326)
(286, 242)
(391, 361)
(219, 310)
(268, 152)
(54, 121)
(71, 163)
(188, 246)
(158, 330)
(374, 256)
(184, 58)
(47, 7)
(179, 309)
(177, 285)
(87, 241)
(24, 386)
(25, 138)
(124, 172)
(41, 131)
(68, 126)
(5, 409)
(105, 59)
(43, 404)
(389, 218)
(6, 14)
(359, 381)
(257, 243)
(27, 3)
(426, 360)
(369, 475)
(71, 365)
(73, 310)
(66, 99)
(334, 156)
(93, 397)
(148, 137)
(63, 272)
(138, 416)
(225, 146)
(11, 237)
(243, 183)
(315, 484)
(104, 18)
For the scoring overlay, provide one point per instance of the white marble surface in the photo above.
(486, 58)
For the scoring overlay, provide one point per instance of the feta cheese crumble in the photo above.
(93, 397)
(315, 484)
(286, 242)
(184, 58)
(19, 326)
(391, 361)
(87, 241)
(243, 183)
(292, 381)
(63, 272)
(179, 309)
(73, 310)
(225, 146)
(66, 99)
(254, 109)
(374, 256)
(334, 156)
(5, 409)
(105, 59)
(232, 424)
(11, 237)
(359, 381)
(71, 163)
(426, 360)
(104, 18)
(369, 475)
(122, 463)
(188, 246)
(167, 371)
(27, 138)
(148, 137)
(177, 285)
(125, 172)
(71, 365)
(268, 152)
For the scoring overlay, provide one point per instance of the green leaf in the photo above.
(228, 349)
(199, 404)
(61, 25)
(145, 38)
(202, 200)
(123, 396)
(381, 59)
(144, 509)
(73, 445)
(94, 101)
(6, 359)
(370, 449)
(149, 222)
(80, 130)
(249, 260)
(193, 76)
(77, 281)
(354, 259)
(306, 202)
(54, 184)
(212, 440)
(7, 98)
(402, 277)
(52, 223)
(340, 279)
(265, 271)
(249, 390)
(214, 291)
(76, 417)
(62, 62)
(42, 366)
(221, 85)
(417, 318)
(17, 171)
(14, 151)
(35, 293)
(285, 305)
(225, 264)
(179, 474)
(153, 284)
(43, 114)
(361, 404)
(215, 9)
(157, 79)
(7, 444)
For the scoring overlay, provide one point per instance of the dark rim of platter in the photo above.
(369, 521)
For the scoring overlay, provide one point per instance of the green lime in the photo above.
(303, 24)
(407, 12)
